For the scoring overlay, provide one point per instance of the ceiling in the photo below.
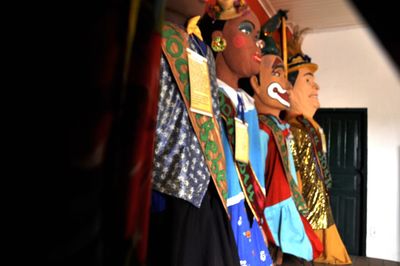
(319, 15)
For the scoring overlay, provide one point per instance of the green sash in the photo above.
(321, 159)
(174, 44)
(280, 141)
(250, 185)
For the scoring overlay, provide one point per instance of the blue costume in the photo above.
(250, 241)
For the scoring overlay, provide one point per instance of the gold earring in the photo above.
(218, 44)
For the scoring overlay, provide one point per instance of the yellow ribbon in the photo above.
(192, 27)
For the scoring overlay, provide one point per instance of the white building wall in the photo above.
(356, 72)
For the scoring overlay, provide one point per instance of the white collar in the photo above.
(232, 94)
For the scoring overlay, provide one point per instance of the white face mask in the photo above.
(274, 95)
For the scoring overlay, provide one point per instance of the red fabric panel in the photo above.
(315, 242)
(258, 10)
(276, 184)
(268, 234)
(139, 188)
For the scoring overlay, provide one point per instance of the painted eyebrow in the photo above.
(309, 74)
(274, 67)
(248, 21)
(277, 64)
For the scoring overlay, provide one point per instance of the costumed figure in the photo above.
(288, 230)
(309, 151)
(235, 43)
(189, 223)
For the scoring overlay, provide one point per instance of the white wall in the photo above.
(355, 71)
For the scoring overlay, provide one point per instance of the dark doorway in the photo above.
(346, 135)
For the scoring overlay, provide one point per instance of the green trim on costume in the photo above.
(284, 154)
(248, 180)
(174, 44)
(322, 160)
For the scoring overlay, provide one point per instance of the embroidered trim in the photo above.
(280, 140)
(322, 161)
(251, 187)
(174, 44)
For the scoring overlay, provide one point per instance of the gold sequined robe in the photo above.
(315, 193)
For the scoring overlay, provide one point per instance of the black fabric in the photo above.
(183, 235)
(289, 260)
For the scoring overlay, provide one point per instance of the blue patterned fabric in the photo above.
(248, 235)
(179, 167)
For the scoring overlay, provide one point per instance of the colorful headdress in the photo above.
(297, 58)
(226, 9)
(267, 30)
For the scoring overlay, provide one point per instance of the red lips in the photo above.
(284, 96)
(257, 58)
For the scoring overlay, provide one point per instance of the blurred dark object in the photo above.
(90, 55)
(138, 127)
(112, 86)
(382, 18)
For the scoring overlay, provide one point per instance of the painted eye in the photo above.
(260, 44)
(276, 74)
(246, 27)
